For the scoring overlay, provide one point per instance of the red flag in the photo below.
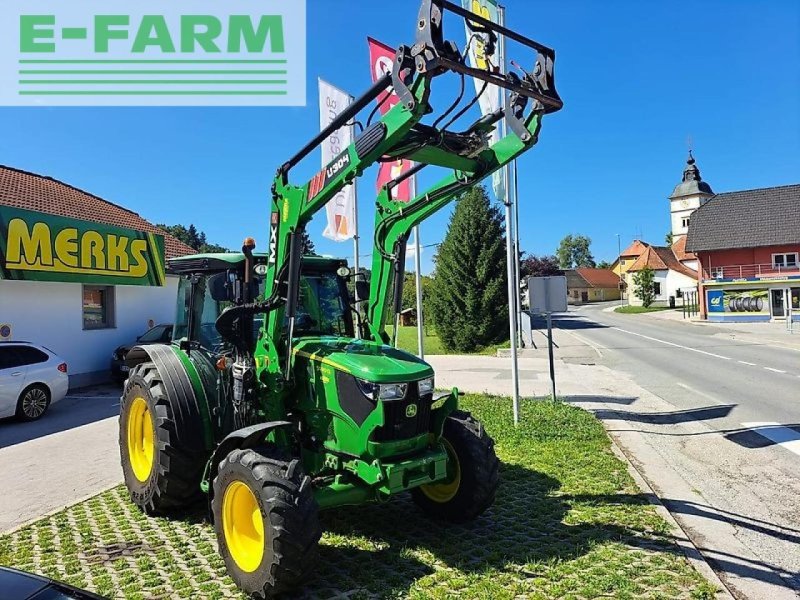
(382, 61)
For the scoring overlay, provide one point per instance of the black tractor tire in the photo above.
(33, 402)
(473, 474)
(178, 447)
(282, 495)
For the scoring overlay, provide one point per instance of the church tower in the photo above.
(689, 195)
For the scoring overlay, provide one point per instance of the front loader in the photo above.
(279, 397)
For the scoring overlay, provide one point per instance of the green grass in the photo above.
(407, 340)
(568, 522)
(635, 310)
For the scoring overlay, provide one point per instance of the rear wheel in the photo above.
(472, 473)
(163, 457)
(33, 402)
(266, 521)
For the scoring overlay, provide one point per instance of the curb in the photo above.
(692, 553)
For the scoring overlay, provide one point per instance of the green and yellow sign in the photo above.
(39, 247)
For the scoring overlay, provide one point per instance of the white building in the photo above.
(674, 269)
(78, 274)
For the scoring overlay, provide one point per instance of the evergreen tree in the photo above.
(308, 245)
(469, 296)
(193, 238)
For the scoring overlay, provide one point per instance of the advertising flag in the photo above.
(341, 209)
(491, 98)
(381, 58)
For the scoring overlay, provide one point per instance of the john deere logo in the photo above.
(411, 410)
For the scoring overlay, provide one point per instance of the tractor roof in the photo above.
(221, 261)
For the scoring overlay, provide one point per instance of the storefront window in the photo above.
(98, 307)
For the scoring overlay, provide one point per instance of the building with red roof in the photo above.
(79, 274)
(591, 285)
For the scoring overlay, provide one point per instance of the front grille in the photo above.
(398, 426)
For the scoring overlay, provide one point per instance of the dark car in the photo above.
(160, 334)
(16, 585)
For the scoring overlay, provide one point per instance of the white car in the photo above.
(31, 379)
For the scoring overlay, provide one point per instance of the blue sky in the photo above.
(637, 79)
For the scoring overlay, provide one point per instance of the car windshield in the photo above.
(156, 334)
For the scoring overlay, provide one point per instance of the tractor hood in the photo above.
(366, 360)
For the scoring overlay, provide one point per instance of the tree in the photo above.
(604, 264)
(193, 238)
(410, 296)
(644, 286)
(574, 252)
(469, 300)
(308, 245)
(538, 266)
(668, 238)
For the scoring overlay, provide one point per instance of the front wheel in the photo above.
(266, 521)
(472, 473)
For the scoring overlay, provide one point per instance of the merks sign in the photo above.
(40, 247)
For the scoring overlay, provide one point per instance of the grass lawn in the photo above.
(568, 522)
(635, 310)
(407, 340)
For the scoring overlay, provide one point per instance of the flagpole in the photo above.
(517, 254)
(355, 212)
(511, 272)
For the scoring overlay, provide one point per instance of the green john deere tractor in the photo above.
(282, 393)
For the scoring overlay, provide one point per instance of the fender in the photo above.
(181, 382)
(246, 437)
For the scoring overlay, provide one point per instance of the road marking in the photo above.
(699, 393)
(744, 362)
(647, 337)
(774, 370)
(785, 437)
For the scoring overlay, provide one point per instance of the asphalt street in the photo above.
(719, 438)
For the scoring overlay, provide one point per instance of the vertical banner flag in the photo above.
(341, 209)
(381, 58)
(490, 99)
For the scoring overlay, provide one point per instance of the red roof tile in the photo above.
(635, 249)
(29, 191)
(660, 258)
(679, 250)
(599, 278)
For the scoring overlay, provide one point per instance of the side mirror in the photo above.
(362, 289)
(219, 288)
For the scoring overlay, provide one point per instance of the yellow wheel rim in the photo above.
(448, 488)
(243, 526)
(141, 439)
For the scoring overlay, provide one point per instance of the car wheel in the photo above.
(33, 402)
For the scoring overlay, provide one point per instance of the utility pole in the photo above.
(517, 283)
(619, 266)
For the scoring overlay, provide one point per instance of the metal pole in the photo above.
(550, 353)
(517, 285)
(512, 317)
(619, 266)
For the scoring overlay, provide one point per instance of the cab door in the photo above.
(12, 379)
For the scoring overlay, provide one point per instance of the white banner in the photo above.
(341, 209)
(491, 98)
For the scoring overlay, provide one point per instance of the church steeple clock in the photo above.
(689, 195)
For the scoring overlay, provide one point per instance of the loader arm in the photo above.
(394, 220)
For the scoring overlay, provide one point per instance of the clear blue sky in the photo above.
(637, 79)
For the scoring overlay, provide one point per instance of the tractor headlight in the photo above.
(383, 391)
(392, 391)
(425, 386)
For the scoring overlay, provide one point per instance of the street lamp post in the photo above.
(619, 266)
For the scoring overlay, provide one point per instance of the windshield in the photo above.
(321, 309)
(156, 334)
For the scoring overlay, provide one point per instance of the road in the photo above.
(69, 454)
(717, 435)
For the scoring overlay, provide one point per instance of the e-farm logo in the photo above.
(185, 52)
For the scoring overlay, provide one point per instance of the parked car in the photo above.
(160, 334)
(32, 378)
(16, 585)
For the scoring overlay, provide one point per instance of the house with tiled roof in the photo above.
(748, 247)
(591, 285)
(79, 274)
